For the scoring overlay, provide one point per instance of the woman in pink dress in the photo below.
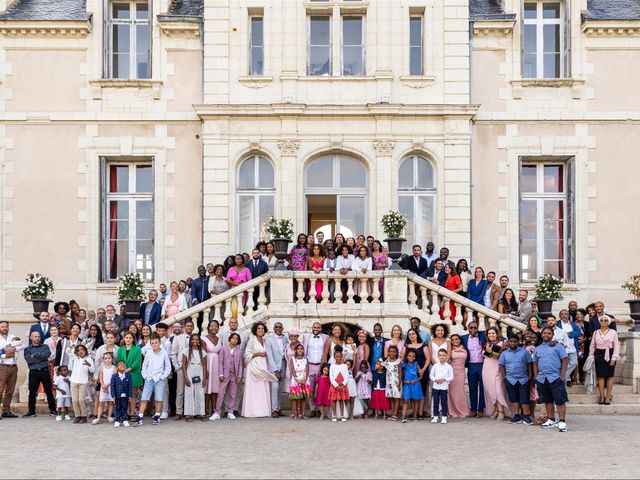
(174, 303)
(495, 396)
(257, 395)
(396, 340)
(212, 345)
(362, 353)
(457, 400)
(380, 262)
(315, 263)
(237, 275)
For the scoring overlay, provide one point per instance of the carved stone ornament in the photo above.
(384, 147)
(289, 147)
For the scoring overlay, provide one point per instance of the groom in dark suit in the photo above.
(258, 267)
(42, 327)
(415, 263)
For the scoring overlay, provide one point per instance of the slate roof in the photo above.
(613, 10)
(187, 8)
(47, 10)
(488, 10)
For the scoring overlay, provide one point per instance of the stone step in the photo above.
(582, 389)
(586, 399)
(595, 409)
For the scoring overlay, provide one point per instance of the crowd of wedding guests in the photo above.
(100, 364)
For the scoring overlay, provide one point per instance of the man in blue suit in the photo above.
(42, 327)
(150, 311)
(258, 267)
(435, 273)
(474, 345)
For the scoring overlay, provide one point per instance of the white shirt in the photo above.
(487, 296)
(156, 365)
(79, 371)
(560, 336)
(567, 329)
(430, 258)
(59, 381)
(315, 348)
(45, 328)
(342, 262)
(441, 370)
(6, 342)
(359, 263)
(334, 370)
(329, 264)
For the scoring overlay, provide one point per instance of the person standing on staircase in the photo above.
(550, 362)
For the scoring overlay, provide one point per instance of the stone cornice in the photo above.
(188, 29)
(53, 28)
(304, 110)
(501, 27)
(611, 28)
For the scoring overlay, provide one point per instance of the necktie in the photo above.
(316, 336)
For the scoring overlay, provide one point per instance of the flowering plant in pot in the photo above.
(37, 290)
(131, 293)
(632, 285)
(281, 231)
(394, 224)
(548, 289)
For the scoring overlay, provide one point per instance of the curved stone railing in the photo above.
(371, 294)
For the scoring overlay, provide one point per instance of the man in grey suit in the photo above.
(276, 347)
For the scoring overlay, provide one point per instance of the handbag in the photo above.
(196, 379)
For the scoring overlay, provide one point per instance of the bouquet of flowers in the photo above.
(38, 286)
(393, 224)
(282, 228)
(131, 287)
(549, 287)
(633, 286)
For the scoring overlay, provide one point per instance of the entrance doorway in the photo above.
(336, 196)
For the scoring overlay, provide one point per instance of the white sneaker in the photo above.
(67, 418)
(116, 424)
(164, 415)
(444, 420)
(125, 423)
(231, 416)
(344, 419)
(96, 421)
(334, 419)
(562, 426)
(434, 420)
(58, 418)
(550, 424)
(215, 416)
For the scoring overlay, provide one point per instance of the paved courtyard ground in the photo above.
(595, 447)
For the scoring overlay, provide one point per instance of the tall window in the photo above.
(256, 193)
(546, 220)
(415, 45)
(319, 48)
(543, 41)
(256, 66)
(417, 198)
(352, 46)
(129, 42)
(128, 219)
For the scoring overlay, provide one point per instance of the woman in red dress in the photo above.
(453, 283)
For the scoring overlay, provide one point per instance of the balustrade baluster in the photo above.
(194, 318)
(250, 302)
(239, 298)
(412, 293)
(325, 290)
(227, 308)
(435, 307)
(447, 310)
(503, 329)
(312, 292)
(492, 322)
(205, 319)
(458, 316)
(364, 290)
(481, 322)
(424, 299)
(375, 295)
(262, 296)
(350, 291)
(217, 313)
(300, 291)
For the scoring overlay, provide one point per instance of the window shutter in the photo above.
(566, 53)
(570, 275)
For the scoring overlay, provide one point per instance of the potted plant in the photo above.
(393, 224)
(281, 232)
(131, 293)
(548, 289)
(37, 290)
(633, 286)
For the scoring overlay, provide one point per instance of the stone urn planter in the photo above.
(545, 307)
(281, 246)
(40, 305)
(395, 251)
(133, 308)
(634, 308)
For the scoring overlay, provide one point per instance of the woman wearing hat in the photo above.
(290, 352)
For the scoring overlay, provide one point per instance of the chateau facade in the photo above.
(155, 135)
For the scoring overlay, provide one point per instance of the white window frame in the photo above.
(420, 46)
(540, 23)
(416, 192)
(330, 46)
(254, 191)
(252, 46)
(132, 22)
(132, 198)
(363, 43)
(540, 196)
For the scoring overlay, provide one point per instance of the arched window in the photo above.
(417, 198)
(256, 193)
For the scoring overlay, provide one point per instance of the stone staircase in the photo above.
(625, 402)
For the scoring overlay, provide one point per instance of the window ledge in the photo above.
(255, 82)
(326, 8)
(337, 78)
(575, 84)
(417, 81)
(98, 85)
